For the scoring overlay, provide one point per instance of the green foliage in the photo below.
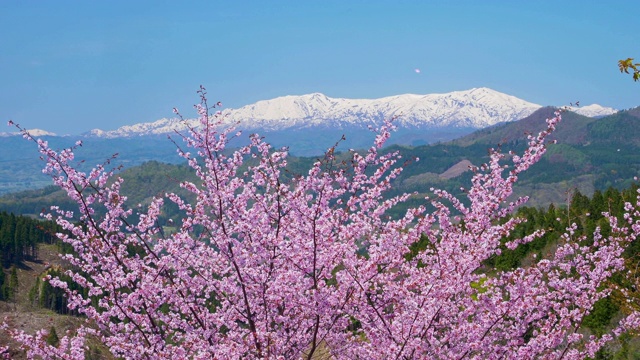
(536, 219)
(19, 236)
(417, 247)
(619, 129)
(46, 296)
(94, 353)
(2, 280)
(601, 315)
(13, 279)
(586, 212)
(568, 154)
(628, 65)
(52, 338)
(479, 287)
(10, 288)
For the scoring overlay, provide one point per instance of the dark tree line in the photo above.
(8, 284)
(19, 236)
(46, 296)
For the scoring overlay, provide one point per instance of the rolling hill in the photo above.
(591, 153)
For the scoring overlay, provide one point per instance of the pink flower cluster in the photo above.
(265, 265)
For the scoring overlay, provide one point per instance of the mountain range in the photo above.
(471, 109)
(307, 125)
(475, 108)
(591, 154)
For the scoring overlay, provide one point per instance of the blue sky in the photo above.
(71, 66)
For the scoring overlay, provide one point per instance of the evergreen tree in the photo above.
(579, 204)
(598, 204)
(52, 338)
(12, 286)
(13, 280)
(613, 198)
(2, 276)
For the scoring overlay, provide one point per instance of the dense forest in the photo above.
(19, 238)
(43, 295)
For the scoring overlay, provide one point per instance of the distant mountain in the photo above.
(308, 125)
(591, 154)
(474, 109)
(621, 127)
(158, 127)
(593, 110)
(33, 132)
(572, 129)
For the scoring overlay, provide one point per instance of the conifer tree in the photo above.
(2, 283)
(52, 337)
(13, 283)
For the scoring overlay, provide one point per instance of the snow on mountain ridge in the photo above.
(32, 132)
(40, 132)
(475, 108)
(472, 108)
(158, 127)
(593, 110)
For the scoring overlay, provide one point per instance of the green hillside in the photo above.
(590, 154)
(20, 163)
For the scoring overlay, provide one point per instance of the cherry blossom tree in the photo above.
(279, 267)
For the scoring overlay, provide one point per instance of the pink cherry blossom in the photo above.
(279, 267)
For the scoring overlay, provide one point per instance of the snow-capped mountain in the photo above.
(158, 127)
(593, 110)
(33, 132)
(475, 108)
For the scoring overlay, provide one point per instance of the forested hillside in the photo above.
(19, 240)
(587, 157)
(19, 236)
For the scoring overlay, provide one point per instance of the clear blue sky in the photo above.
(70, 66)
